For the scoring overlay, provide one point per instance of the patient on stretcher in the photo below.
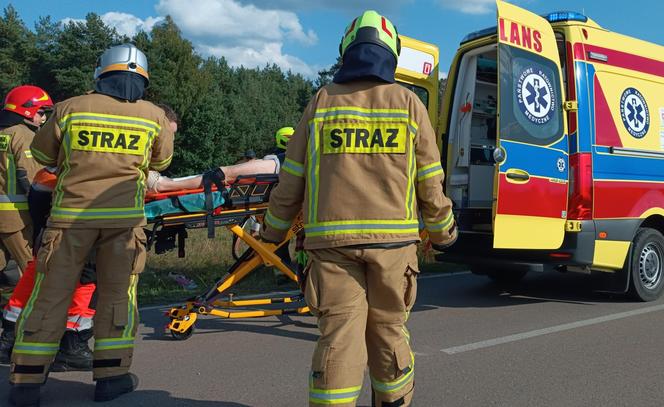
(270, 164)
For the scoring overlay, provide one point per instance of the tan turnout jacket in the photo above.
(362, 164)
(103, 148)
(15, 156)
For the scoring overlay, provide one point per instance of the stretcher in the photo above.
(230, 207)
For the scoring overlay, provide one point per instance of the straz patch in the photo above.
(634, 113)
(535, 96)
(365, 138)
(109, 140)
(4, 142)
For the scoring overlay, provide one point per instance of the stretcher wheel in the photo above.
(182, 336)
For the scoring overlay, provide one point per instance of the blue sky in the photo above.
(303, 35)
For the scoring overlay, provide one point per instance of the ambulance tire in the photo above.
(502, 275)
(647, 265)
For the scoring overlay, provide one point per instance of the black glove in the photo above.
(215, 175)
(445, 246)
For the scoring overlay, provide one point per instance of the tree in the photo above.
(17, 51)
(326, 75)
(76, 50)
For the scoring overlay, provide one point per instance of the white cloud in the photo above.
(268, 53)
(128, 24)
(242, 33)
(470, 6)
(382, 6)
(124, 23)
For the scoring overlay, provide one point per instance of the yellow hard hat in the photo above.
(372, 28)
(282, 136)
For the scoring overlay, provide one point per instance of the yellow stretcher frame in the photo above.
(183, 318)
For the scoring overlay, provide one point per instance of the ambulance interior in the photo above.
(472, 138)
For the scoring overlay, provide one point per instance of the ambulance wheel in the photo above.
(647, 265)
(182, 336)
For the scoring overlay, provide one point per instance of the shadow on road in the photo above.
(478, 291)
(208, 325)
(67, 393)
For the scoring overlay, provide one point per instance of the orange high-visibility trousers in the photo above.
(79, 315)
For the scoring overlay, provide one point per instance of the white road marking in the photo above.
(553, 329)
(442, 275)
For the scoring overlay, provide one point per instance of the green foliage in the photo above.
(223, 110)
(16, 50)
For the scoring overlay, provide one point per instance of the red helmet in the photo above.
(26, 100)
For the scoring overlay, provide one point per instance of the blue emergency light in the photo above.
(555, 17)
(565, 16)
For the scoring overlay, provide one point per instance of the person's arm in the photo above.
(160, 183)
(45, 146)
(264, 166)
(26, 166)
(162, 149)
(435, 207)
(286, 199)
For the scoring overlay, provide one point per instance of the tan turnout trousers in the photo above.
(354, 293)
(120, 257)
(17, 246)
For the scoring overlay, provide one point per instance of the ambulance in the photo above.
(551, 130)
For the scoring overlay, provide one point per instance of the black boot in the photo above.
(111, 388)
(24, 395)
(74, 353)
(7, 339)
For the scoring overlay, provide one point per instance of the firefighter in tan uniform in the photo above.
(23, 112)
(103, 144)
(361, 165)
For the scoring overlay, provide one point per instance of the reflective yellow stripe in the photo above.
(361, 109)
(442, 225)
(429, 171)
(333, 396)
(108, 119)
(411, 180)
(276, 222)
(11, 175)
(163, 164)
(13, 206)
(96, 213)
(362, 226)
(41, 157)
(293, 167)
(39, 277)
(36, 348)
(398, 384)
(28, 154)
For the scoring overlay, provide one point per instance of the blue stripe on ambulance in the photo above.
(540, 161)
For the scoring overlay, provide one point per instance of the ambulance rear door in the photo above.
(530, 195)
(418, 71)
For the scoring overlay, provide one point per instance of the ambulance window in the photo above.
(530, 98)
(420, 92)
(562, 54)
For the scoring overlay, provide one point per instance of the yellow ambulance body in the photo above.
(552, 134)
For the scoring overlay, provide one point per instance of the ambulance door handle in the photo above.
(517, 176)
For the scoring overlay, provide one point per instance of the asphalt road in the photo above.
(549, 342)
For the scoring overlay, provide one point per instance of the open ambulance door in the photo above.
(530, 195)
(418, 71)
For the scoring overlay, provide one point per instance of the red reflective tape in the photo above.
(352, 26)
(385, 27)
